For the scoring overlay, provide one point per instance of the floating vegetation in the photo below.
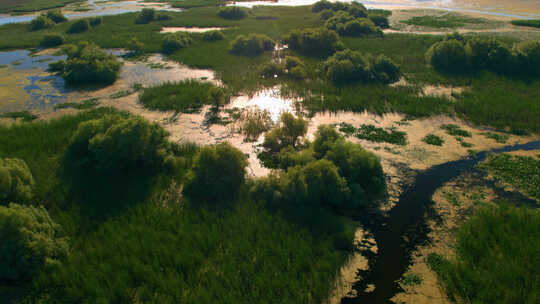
(432, 139)
(455, 130)
(83, 105)
(500, 138)
(519, 171)
(375, 134)
(23, 115)
(120, 94)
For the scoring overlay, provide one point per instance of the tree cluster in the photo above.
(233, 12)
(456, 54)
(47, 20)
(16, 181)
(314, 42)
(251, 45)
(346, 24)
(350, 66)
(87, 64)
(174, 42)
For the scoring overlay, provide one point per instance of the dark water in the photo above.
(405, 227)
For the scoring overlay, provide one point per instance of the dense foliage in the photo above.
(350, 66)
(496, 258)
(526, 22)
(51, 40)
(347, 25)
(87, 64)
(30, 242)
(95, 21)
(456, 54)
(16, 181)
(41, 22)
(115, 145)
(56, 16)
(174, 42)
(314, 42)
(251, 45)
(233, 12)
(217, 174)
(328, 172)
(213, 36)
(147, 15)
(79, 26)
(355, 9)
(185, 96)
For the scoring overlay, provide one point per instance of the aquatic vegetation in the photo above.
(174, 42)
(496, 250)
(432, 139)
(518, 171)
(31, 242)
(184, 96)
(254, 123)
(83, 105)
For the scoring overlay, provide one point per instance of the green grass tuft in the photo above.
(433, 139)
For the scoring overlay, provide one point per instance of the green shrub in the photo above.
(346, 24)
(174, 42)
(291, 62)
(30, 242)
(146, 16)
(326, 14)
(432, 139)
(213, 36)
(287, 132)
(95, 21)
(314, 42)
(483, 53)
(528, 57)
(272, 69)
(51, 40)
(16, 181)
(448, 56)
(356, 9)
(251, 45)
(233, 12)
(455, 130)
(163, 17)
(87, 64)
(530, 23)
(135, 46)
(22, 115)
(372, 133)
(297, 72)
(321, 5)
(79, 26)
(41, 22)
(115, 145)
(56, 16)
(217, 174)
(350, 66)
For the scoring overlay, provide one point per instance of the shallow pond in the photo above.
(93, 9)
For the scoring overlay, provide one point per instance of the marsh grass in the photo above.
(185, 96)
(83, 105)
(22, 115)
(445, 21)
(496, 257)
(432, 139)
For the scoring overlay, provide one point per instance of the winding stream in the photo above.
(405, 227)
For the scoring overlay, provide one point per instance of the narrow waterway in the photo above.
(405, 228)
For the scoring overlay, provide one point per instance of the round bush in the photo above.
(174, 42)
(56, 16)
(147, 15)
(321, 5)
(30, 242)
(251, 45)
(217, 173)
(314, 42)
(448, 56)
(272, 69)
(380, 21)
(528, 57)
(79, 26)
(41, 22)
(51, 40)
(213, 36)
(385, 70)
(88, 64)
(16, 181)
(359, 27)
(115, 144)
(233, 12)
(96, 21)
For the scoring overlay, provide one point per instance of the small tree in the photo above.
(147, 15)
(251, 45)
(41, 22)
(56, 16)
(30, 242)
(135, 46)
(217, 173)
(16, 181)
(233, 12)
(79, 26)
(51, 40)
(174, 42)
(448, 55)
